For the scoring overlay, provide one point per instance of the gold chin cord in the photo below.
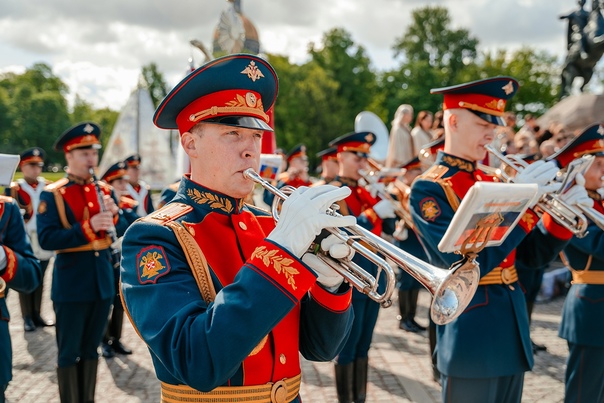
(452, 289)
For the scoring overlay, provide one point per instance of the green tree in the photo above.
(347, 64)
(430, 38)
(35, 107)
(155, 82)
(308, 107)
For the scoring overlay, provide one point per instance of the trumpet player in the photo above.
(483, 354)
(352, 362)
(296, 174)
(329, 165)
(73, 222)
(582, 322)
(226, 299)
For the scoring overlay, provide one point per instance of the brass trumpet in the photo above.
(564, 214)
(451, 289)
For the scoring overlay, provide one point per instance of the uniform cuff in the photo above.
(11, 264)
(555, 229)
(284, 269)
(375, 220)
(338, 303)
(528, 221)
(88, 232)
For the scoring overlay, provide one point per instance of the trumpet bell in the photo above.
(455, 292)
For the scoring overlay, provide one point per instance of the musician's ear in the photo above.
(187, 141)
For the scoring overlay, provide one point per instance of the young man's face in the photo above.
(80, 160)
(350, 164)
(219, 154)
(133, 173)
(31, 171)
(120, 186)
(468, 135)
(593, 176)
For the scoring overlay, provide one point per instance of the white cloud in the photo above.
(98, 48)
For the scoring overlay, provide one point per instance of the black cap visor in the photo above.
(496, 120)
(246, 122)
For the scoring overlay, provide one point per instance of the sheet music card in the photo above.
(486, 216)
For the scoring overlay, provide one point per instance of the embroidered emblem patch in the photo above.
(508, 88)
(429, 208)
(281, 264)
(42, 207)
(252, 71)
(151, 264)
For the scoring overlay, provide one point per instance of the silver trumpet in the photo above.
(568, 216)
(451, 289)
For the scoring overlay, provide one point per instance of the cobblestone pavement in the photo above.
(400, 369)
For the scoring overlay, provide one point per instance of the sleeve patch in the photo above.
(429, 209)
(42, 207)
(151, 264)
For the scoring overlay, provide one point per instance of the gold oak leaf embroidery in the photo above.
(281, 264)
(151, 264)
(213, 200)
(529, 220)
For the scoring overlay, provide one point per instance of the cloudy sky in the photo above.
(99, 47)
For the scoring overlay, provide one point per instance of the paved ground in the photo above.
(400, 369)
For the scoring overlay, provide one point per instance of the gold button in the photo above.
(90, 204)
(479, 177)
(242, 225)
(96, 253)
(86, 189)
(282, 359)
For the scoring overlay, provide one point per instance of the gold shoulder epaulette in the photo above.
(435, 172)
(57, 185)
(169, 212)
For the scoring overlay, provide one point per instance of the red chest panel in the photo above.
(359, 200)
(226, 241)
(82, 200)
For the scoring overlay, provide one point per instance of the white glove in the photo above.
(337, 248)
(303, 216)
(577, 194)
(376, 188)
(401, 233)
(384, 209)
(541, 173)
(326, 276)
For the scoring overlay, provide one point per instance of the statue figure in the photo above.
(575, 38)
(585, 36)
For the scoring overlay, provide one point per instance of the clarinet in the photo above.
(115, 252)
